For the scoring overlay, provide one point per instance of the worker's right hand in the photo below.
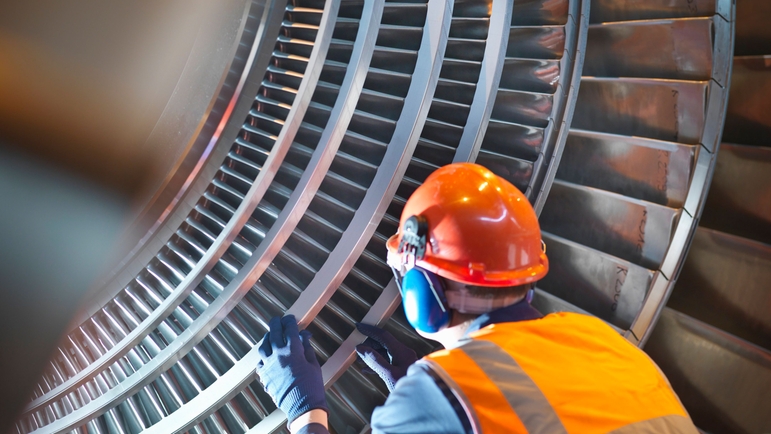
(372, 350)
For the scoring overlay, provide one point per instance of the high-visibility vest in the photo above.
(563, 373)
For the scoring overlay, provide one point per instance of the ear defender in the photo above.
(424, 302)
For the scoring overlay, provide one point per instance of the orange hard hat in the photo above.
(476, 228)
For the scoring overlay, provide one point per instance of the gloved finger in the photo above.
(399, 353)
(264, 348)
(368, 329)
(310, 355)
(369, 342)
(276, 332)
(373, 343)
(360, 363)
(291, 332)
(405, 356)
(381, 336)
(373, 359)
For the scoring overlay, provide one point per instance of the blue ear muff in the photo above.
(424, 302)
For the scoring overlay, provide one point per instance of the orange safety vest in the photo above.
(563, 373)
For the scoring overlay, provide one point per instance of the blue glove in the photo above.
(289, 370)
(379, 345)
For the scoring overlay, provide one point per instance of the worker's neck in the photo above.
(451, 336)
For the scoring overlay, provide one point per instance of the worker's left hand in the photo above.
(372, 350)
(289, 370)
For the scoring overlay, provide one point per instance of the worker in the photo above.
(468, 254)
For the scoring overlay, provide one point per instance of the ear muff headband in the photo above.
(424, 301)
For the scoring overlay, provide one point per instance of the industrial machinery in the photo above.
(607, 114)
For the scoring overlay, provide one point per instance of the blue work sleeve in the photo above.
(417, 405)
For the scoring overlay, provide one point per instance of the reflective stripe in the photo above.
(672, 424)
(471, 416)
(522, 394)
(461, 409)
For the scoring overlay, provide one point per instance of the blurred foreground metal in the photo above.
(57, 232)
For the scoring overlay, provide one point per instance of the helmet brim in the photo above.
(471, 275)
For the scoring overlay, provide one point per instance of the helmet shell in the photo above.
(481, 229)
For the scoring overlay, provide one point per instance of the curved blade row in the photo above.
(638, 158)
(714, 337)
